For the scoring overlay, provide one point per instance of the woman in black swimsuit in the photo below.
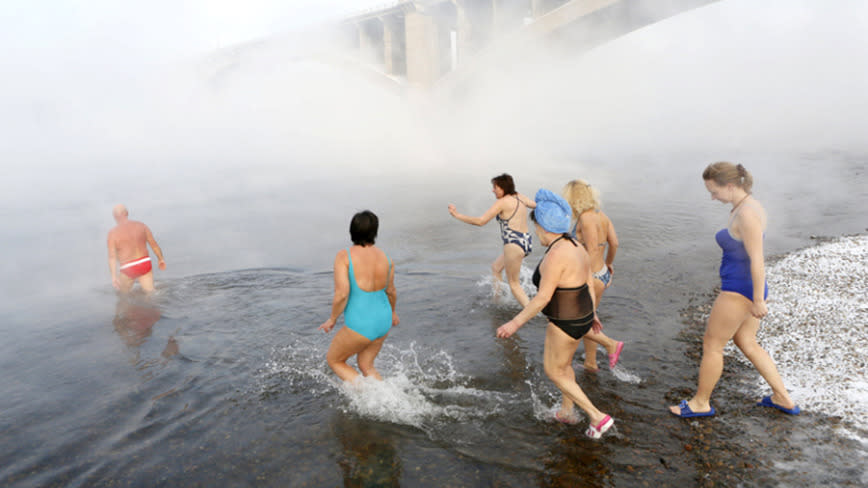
(562, 278)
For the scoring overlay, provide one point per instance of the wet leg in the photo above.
(557, 361)
(496, 274)
(146, 281)
(592, 338)
(366, 358)
(745, 339)
(727, 314)
(346, 343)
(513, 255)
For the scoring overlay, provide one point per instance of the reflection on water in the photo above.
(135, 317)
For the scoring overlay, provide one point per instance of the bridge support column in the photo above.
(394, 47)
(423, 48)
(464, 30)
(370, 41)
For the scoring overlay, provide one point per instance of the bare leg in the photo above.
(366, 358)
(513, 255)
(557, 362)
(125, 283)
(346, 343)
(745, 339)
(592, 338)
(496, 270)
(146, 281)
(729, 312)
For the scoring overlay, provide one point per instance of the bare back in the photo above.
(129, 240)
(514, 209)
(593, 232)
(370, 267)
(572, 262)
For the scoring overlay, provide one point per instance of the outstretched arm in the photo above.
(478, 221)
(155, 247)
(342, 290)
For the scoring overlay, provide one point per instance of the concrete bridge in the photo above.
(424, 42)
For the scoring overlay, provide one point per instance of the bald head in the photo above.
(120, 212)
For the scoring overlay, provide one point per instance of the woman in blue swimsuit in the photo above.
(741, 304)
(365, 294)
(510, 210)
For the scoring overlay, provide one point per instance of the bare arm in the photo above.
(155, 247)
(750, 228)
(548, 284)
(113, 260)
(478, 221)
(342, 290)
(612, 239)
(392, 293)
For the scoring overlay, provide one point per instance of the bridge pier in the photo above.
(423, 48)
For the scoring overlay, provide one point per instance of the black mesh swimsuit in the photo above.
(570, 309)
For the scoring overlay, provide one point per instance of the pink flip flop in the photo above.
(613, 359)
(597, 431)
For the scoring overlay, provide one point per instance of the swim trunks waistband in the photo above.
(137, 267)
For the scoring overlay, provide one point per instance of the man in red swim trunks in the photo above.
(128, 244)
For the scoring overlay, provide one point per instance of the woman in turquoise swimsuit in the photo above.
(741, 304)
(365, 294)
(510, 209)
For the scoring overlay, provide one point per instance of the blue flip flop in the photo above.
(687, 413)
(767, 402)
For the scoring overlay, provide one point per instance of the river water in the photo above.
(220, 379)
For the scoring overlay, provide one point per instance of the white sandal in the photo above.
(597, 431)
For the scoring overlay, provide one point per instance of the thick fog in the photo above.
(173, 134)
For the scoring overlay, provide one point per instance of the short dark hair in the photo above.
(363, 228)
(505, 183)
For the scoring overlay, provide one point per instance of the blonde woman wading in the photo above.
(595, 231)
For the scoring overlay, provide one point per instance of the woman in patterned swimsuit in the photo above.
(510, 209)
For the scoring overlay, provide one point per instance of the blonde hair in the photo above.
(581, 196)
(724, 173)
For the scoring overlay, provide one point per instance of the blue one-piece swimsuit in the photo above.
(735, 266)
(367, 312)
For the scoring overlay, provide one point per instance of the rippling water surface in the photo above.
(221, 378)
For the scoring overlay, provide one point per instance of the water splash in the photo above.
(420, 388)
(502, 295)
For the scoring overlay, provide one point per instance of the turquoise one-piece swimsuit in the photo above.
(368, 312)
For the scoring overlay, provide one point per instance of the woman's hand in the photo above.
(508, 329)
(452, 210)
(328, 325)
(395, 319)
(596, 325)
(759, 309)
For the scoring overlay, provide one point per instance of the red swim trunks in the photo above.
(137, 267)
